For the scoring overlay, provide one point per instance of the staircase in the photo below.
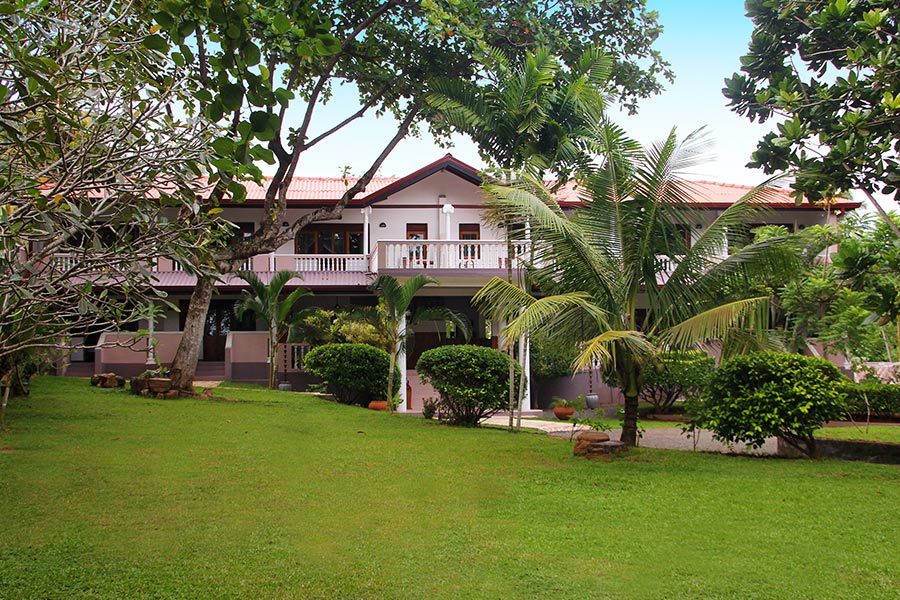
(210, 371)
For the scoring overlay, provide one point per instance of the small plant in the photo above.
(559, 402)
(429, 408)
(159, 371)
(317, 388)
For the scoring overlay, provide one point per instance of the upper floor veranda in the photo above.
(431, 220)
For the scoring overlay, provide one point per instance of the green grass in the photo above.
(107, 495)
(874, 433)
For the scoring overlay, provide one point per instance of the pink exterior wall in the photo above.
(419, 391)
(247, 346)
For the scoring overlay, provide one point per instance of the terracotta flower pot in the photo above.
(378, 405)
(564, 413)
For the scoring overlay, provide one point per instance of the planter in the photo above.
(378, 405)
(285, 386)
(159, 385)
(564, 413)
(138, 384)
(592, 401)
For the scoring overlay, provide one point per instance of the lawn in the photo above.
(873, 433)
(281, 495)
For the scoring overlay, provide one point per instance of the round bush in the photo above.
(473, 381)
(768, 394)
(355, 373)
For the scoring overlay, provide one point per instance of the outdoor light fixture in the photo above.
(382, 224)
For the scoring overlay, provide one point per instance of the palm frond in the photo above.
(604, 348)
(751, 314)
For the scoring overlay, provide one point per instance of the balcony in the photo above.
(465, 257)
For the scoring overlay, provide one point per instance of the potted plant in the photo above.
(563, 409)
(156, 380)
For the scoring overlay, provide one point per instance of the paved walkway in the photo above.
(668, 438)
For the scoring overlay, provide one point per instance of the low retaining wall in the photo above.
(873, 452)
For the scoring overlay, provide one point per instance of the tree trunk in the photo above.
(629, 425)
(6, 381)
(390, 385)
(273, 362)
(184, 367)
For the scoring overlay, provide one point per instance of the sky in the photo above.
(703, 40)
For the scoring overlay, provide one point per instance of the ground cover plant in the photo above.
(282, 495)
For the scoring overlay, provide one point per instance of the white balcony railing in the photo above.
(387, 254)
(452, 254)
(342, 263)
(64, 262)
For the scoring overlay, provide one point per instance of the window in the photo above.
(244, 229)
(330, 239)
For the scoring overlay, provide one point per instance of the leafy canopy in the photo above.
(828, 68)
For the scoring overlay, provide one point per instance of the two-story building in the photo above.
(429, 221)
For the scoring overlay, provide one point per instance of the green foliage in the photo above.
(274, 308)
(875, 399)
(472, 381)
(96, 173)
(314, 327)
(599, 269)
(355, 373)
(675, 375)
(551, 358)
(769, 394)
(828, 69)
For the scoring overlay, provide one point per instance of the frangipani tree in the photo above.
(619, 275)
(395, 320)
(270, 304)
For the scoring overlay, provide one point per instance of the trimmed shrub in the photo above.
(676, 375)
(473, 381)
(769, 394)
(883, 399)
(354, 373)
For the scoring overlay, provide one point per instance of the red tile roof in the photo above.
(712, 194)
(316, 191)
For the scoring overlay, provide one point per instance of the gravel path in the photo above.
(668, 438)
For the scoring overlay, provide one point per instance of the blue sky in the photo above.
(703, 40)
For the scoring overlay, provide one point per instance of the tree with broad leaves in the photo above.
(97, 177)
(256, 59)
(829, 69)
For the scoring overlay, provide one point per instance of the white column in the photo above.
(151, 348)
(401, 364)
(525, 362)
(367, 214)
(447, 209)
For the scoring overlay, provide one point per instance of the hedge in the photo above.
(355, 373)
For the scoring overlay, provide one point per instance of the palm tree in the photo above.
(267, 303)
(394, 322)
(620, 276)
(538, 114)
